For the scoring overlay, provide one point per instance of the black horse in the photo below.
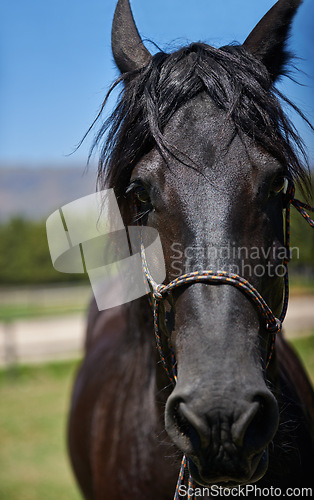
(200, 141)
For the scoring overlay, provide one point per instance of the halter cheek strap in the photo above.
(272, 324)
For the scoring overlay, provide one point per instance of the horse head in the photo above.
(204, 147)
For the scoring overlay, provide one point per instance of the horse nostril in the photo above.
(258, 424)
(183, 425)
(180, 419)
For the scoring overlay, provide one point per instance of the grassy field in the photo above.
(33, 458)
(305, 348)
(301, 285)
(33, 410)
(13, 313)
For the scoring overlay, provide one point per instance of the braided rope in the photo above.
(160, 291)
(180, 478)
(302, 207)
(272, 323)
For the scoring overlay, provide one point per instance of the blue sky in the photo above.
(56, 64)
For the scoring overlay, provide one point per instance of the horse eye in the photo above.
(142, 195)
(277, 185)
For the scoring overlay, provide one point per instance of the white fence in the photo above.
(62, 337)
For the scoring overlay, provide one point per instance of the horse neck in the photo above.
(128, 417)
(294, 440)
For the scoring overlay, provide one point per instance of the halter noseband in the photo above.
(272, 324)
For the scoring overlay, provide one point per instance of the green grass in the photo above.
(12, 312)
(305, 348)
(301, 285)
(33, 456)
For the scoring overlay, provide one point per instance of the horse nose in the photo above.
(249, 431)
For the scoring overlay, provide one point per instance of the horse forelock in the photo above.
(235, 81)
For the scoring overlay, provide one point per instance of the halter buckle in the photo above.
(275, 327)
(157, 292)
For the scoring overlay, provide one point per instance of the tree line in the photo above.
(25, 257)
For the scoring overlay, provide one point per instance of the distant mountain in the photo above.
(36, 192)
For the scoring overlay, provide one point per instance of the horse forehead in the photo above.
(220, 159)
(198, 125)
(200, 114)
(205, 134)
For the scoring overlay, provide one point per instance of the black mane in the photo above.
(234, 79)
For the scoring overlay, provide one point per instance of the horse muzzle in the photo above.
(228, 443)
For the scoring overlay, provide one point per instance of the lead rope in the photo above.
(272, 324)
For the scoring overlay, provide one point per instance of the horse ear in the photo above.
(128, 49)
(268, 39)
